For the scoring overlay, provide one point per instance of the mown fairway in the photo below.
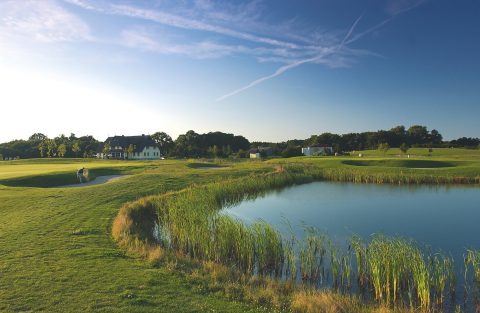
(56, 249)
(57, 254)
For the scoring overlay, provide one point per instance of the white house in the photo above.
(130, 147)
(317, 150)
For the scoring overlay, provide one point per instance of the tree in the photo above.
(404, 148)
(62, 149)
(37, 137)
(76, 148)
(242, 153)
(435, 137)
(418, 135)
(51, 147)
(130, 150)
(398, 135)
(106, 150)
(466, 142)
(337, 148)
(164, 141)
(214, 152)
(42, 147)
(291, 151)
(226, 150)
(72, 137)
(384, 147)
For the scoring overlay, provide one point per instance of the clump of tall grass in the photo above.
(472, 260)
(361, 175)
(312, 256)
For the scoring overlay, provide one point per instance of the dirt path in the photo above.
(97, 181)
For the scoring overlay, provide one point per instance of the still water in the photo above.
(440, 218)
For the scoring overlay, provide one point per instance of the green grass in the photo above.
(57, 253)
(204, 165)
(451, 153)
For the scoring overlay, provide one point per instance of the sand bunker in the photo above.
(97, 181)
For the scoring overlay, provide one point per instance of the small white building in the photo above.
(130, 147)
(255, 155)
(317, 150)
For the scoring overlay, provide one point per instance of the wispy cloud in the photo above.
(232, 22)
(221, 29)
(239, 22)
(395, 7)
(43, 21)
(179, 21)
(143, 39)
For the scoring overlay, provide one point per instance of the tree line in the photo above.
(220, 145)
(39, 145)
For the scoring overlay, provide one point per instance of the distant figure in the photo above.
(80, 174)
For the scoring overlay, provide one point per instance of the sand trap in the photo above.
(97, 181)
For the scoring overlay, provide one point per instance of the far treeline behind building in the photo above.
(220, 145)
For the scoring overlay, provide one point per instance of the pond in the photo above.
(443, 217)
(438, 218)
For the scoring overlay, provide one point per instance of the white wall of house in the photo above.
(148, 153)
(255, 155)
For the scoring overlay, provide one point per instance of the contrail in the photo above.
(344, 42)
(351, 29)
(278, 72)
(379, 25)
(287, 67)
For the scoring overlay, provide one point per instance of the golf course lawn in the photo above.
(56, 249)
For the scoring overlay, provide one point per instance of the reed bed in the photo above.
(394, 272)
(400, 176)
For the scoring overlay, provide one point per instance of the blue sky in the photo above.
(266, 69)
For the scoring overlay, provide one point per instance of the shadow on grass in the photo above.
(57, 179)
(199, 165)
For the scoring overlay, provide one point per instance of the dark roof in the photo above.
(138, 142)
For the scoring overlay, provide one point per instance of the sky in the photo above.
(270, 70)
